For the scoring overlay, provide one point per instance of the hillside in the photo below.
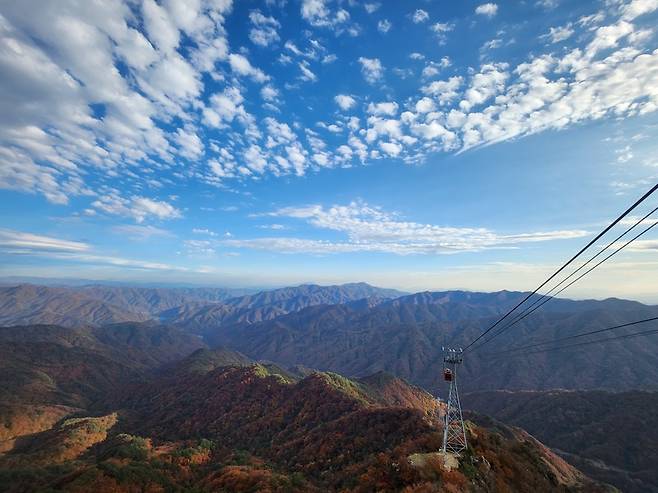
(245, 429)
(404, 336)
(48, 372)
(611, 436)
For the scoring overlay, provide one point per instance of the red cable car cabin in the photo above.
(447, 374)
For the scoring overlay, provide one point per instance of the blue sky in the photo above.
(427, 145)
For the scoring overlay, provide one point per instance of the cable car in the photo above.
(447, 374)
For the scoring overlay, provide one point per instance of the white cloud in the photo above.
(264, 29)
(20, 240)
(487, 9)
(372, 69)
(21, 243)
(636, 8)
(424, 105)
(97, 100)
(279, 132)
(369, 229)
(419, 16)
(255, 159)
(306, 73)
(344, 101)
(384, 26)
(372, 7)
(624, 154)
(199, 247)
(319, 13)
(274, 226)
(297, 156)
(140, 208)
(141, 232)
(650, 246)
(190, 145)
(444, 91)
(442, 27)
(631, 220)
(241, 66)
(269, 93)
(435, 131)
(72, 109)
(203, 231)
(485, 84)
(389, 108)
(383, 127)
(623, 83)
(225, 107)
(441, 30)
(547, 4)
(559, 34)
(143, 207)
(609, 36)
(432, 69)
(391, 148)
(315, 11)
(159, 26)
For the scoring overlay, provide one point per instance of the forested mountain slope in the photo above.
(611, 436)
(404, 336)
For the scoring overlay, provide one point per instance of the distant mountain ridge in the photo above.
(357, 329)
(195, 307)
(27, 304)
(404, 336)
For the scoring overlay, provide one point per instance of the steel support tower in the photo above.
(454, 431)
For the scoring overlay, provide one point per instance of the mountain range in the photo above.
(405, 336)
(357, 329)
(26, 304)
(160, 374)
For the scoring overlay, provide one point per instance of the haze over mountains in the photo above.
(101, 304)
(171, 365)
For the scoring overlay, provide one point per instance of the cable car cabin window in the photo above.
(447, 375)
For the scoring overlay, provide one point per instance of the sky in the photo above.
(423, 146)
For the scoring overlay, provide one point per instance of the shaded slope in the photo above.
(205, 360)
(612, 437)
(47, 372)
